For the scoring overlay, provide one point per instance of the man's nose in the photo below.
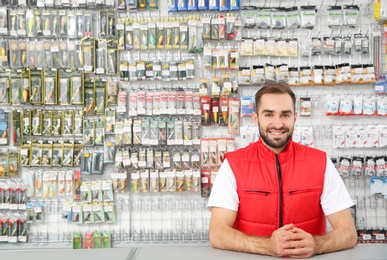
(277, 121)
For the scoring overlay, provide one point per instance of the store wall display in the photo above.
(114, 122)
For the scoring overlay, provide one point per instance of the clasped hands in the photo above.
(293, 242)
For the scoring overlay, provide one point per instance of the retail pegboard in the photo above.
(133, 213)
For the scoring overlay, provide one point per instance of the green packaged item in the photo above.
(77, 240)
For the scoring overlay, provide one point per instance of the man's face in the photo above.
(275, 119)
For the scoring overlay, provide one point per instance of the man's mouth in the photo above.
(277, 132)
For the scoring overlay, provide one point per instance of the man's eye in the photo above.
(268, 115)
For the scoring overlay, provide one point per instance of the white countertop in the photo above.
(360, 252)
(161, 252)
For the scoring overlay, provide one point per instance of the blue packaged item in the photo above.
(192, 5)
(182, 5)
(224, 5)
(380, 86)
(202, 4)
(172, 5)
(235, 5)
(247, 106)
(214, 5)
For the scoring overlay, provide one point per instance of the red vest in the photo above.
(259, 185)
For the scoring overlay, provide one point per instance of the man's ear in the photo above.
(254, 115)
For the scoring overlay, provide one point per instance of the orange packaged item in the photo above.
(223, 111)
(206, 110)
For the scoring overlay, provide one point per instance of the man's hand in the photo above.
(288, 240)
(285, 240)
(298, 244)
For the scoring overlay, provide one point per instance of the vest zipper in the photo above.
(257, 192)
(280, 189)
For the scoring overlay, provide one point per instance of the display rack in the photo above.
(117, 115)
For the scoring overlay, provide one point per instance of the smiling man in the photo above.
(274, 196)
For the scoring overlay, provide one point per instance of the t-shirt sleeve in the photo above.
(224, 193)
(335, 196)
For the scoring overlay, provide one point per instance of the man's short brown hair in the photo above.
(274, 88)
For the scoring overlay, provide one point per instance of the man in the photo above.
(273, 196)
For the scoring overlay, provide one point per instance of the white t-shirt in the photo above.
(334, 197)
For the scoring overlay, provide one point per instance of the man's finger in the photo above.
(287, 227)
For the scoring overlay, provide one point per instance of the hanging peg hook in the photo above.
(368, 6)
(321, 4)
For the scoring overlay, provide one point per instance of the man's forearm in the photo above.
(335, 240)
(231, 239)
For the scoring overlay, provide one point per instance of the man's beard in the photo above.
(275, 143)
